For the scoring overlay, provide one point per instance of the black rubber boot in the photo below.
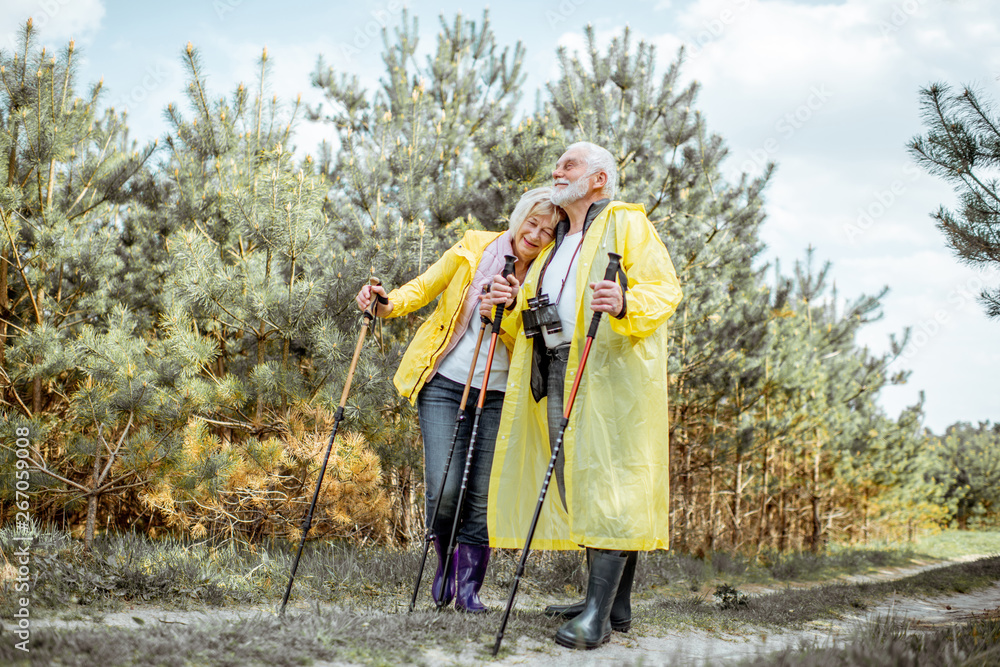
(621, 610)
(592, 627)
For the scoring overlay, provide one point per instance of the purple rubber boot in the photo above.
(449, 584)
(470, 571)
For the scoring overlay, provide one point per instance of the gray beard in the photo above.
(571, 193)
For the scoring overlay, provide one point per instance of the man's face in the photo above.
(570, 181)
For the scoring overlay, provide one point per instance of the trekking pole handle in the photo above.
(376, 300)
(508, 268)
(614, 262)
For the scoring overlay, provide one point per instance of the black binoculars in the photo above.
(540, 314)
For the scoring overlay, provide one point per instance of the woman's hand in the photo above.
(502, 290)
(364, 299)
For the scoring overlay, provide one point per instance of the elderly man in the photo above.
(612, 474)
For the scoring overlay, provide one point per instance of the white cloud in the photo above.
(290, 69)
(830, 92)
(55, 21)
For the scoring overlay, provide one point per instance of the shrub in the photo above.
(250, 489)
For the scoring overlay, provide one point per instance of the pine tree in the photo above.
(251, 248)
(967, 469)
(66, 175)
(962, 146)
(413, 170)
(178, 336)
(669, 161)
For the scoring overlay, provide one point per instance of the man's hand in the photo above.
(607, 298)
(364, 299)
(502, 290)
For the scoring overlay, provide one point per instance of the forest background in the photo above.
(178, 317)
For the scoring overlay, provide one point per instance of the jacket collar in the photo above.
(563, 226)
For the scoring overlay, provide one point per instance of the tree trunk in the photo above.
(220, 372)
(4, 305)
(5, 257)
(817, 529)
(762, 526)
(88, 535)
(405, 502)
(710, 523)
(683, 526)
(865, 528)
(782, 511)
(36, 389)
(737, 496)
(259, 413)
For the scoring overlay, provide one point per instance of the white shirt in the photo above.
(563, 266)
(455, 365)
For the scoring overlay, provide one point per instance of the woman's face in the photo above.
(536, 232)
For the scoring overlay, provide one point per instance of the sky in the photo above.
(828, 90)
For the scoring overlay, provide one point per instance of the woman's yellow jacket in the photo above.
(450, 277)
(616, 469)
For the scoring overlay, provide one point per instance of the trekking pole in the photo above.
(459, 420)
(369, 317)
(612, 271)
(497, 317)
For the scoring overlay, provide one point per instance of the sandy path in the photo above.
(705, 648)
(694, 647)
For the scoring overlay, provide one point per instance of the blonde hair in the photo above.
(534, 201)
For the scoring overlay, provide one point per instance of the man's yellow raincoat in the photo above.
(617, 473)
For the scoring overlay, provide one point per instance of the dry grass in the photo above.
(349, 603)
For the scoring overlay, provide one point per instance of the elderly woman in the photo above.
(435, 368)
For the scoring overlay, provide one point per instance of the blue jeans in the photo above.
(437, 408)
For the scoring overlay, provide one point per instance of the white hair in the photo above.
(599, 159)
(538, 201)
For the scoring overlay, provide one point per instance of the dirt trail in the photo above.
(685, 648)
(704, 648)
(698, 648)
